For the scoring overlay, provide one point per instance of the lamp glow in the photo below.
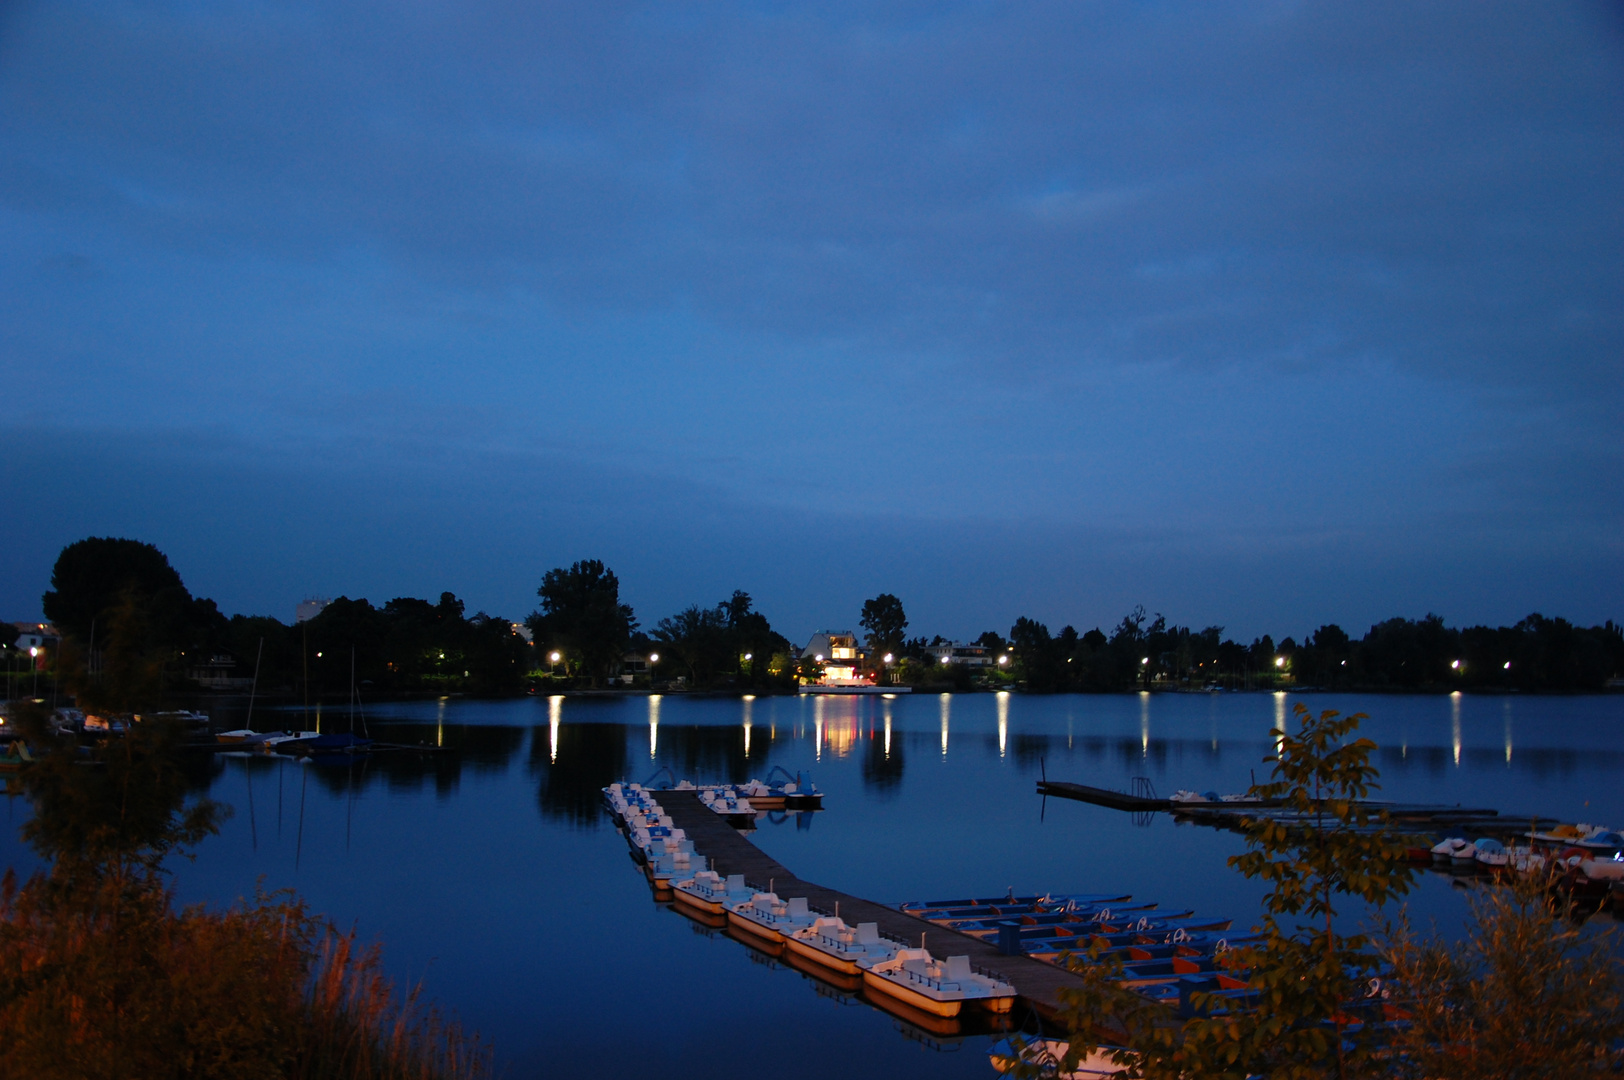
(1280, 661)
(654, 658)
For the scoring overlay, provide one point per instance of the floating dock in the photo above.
(1038, 983)
(1405, 817)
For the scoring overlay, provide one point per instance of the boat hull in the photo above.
(754, 929)
(818, 956)
(923, 1002)
(710, 907)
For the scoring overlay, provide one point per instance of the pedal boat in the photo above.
(831, 942)
(710, 892)
(767, 917)
(672, 859)
(941, 988)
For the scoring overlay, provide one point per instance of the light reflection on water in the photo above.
(491, 874)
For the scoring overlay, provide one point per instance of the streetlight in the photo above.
(33, 654)
(751, 656)
(888, 658)
(1144, 662)
(1003, 660)
(1507, 667)
(1455, 664)
(654, 658)
(1280, 661)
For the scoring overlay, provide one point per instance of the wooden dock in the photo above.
(1413, 818)
(1037, 982)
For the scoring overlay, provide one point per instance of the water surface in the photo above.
(492, 875)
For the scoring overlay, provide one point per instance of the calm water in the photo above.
(492, 875)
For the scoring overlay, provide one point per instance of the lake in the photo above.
(492, 875)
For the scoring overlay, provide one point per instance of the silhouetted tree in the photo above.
(581, 614)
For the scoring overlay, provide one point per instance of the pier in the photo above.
(1037, 982)
(1405, 817)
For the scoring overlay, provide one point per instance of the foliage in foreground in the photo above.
(101, 976)
(1527, 994)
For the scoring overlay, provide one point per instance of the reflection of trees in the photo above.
(590, 758)
(882, 774)
(481, 749)
(709, 755)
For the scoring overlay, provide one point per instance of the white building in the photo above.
(839, 654)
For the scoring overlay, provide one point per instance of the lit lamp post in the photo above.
(552, 661)
(33, 656)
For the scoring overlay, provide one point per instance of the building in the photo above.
(956, 652)
(36, 635)
(309, 609)
(840, 655)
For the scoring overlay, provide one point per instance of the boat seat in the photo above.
(797, 907)
(957, 969)
(868, 933)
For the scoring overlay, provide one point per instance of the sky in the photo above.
(1262, 315)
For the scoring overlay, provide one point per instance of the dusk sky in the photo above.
(1265, 315)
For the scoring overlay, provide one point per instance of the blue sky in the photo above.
(1263, 315)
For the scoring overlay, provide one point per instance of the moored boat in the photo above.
(940, 987)
(766, 916)
(1444, 850)
(1047, 1058)
(1491, 854)
(830, 941)
(710, 892)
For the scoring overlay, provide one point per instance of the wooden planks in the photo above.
(1037, 982)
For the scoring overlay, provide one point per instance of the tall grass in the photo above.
(116, 983)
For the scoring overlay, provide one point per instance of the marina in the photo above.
(453, 858)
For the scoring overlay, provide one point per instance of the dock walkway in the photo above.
(1037, 982)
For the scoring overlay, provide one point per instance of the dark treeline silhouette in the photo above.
(1399, 654)
(133, 635)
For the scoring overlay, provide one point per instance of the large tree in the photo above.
(582, 615)
(885, 622)
(91, 576)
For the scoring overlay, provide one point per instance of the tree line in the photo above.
(133, 633)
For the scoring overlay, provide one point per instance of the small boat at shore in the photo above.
(667, 859)
(1445, 850)
(830, 941)
(710, 892)
(1047, 1058)
(1491, 854)
(766, 916)
(939, 987)
(239, 737)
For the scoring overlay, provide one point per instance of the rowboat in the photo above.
(941, 988)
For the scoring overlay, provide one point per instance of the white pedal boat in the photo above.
(832, 943)
(709, 891)
(669, 859)
(1445, 850)
(766, 916)
(939, 987)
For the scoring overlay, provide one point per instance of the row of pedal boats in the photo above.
(1594, 853)
(1157, 949)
